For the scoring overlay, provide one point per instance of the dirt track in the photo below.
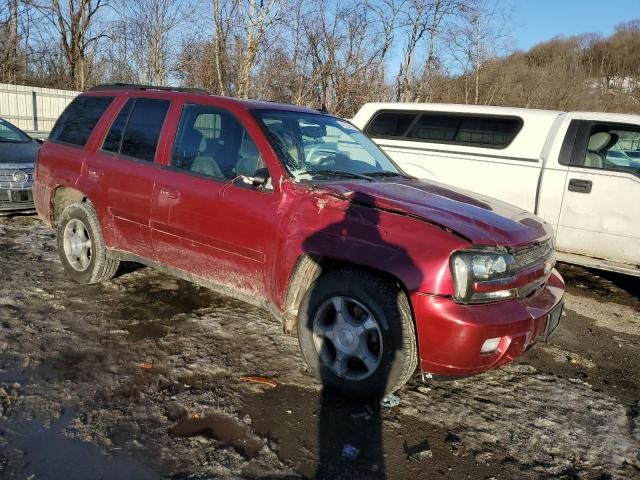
(140, 378)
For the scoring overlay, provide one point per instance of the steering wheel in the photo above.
(320, 149)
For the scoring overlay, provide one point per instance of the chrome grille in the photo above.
(531, 254)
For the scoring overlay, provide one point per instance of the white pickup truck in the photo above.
(579, 171)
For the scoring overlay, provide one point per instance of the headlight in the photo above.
(20, 176)
(482, 276)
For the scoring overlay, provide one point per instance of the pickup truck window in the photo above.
(212, 142)
(608, 146)
(391, 124)
(489, 131)
(142, 131)
(76, 123)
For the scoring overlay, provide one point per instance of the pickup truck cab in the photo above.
(579, 171)
(298, 212)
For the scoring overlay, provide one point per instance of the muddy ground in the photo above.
(140, 378)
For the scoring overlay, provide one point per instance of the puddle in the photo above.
(31, 450)
(227, 430)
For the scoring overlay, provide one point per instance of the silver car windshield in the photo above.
(317, 146)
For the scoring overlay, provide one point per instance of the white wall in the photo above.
(33, 109)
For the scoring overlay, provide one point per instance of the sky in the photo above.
(536, 21)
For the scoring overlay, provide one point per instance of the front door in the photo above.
(205, 220)
(600, 215)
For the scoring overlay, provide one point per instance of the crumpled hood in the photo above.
(480, 219)
(13, 153)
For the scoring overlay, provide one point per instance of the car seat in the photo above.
(191, 155)
(598, 142)
(249, 158)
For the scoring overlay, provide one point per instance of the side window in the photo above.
(79, 119)
(390, 124)
(212, 142)
(488, 131)
(482, 131)
(612, 147)
(141, 134)
(114, 137)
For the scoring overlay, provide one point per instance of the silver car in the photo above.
(17, 158)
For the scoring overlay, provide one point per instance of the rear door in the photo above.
(600, 214)
(125, 167)
(205, 221)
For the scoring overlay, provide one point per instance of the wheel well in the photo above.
(311, 267)
(62, 198)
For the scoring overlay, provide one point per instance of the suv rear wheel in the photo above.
(356, 333)
(81, 246)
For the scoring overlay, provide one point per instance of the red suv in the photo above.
(298, 212)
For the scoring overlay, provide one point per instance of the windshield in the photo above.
(11, 134)
(316, 146)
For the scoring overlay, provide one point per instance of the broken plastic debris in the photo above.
(390, 401)
(349, 451)
(257, 379)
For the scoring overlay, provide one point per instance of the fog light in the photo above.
(490, 345)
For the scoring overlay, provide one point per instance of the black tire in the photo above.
(101, 265)
(390, 307)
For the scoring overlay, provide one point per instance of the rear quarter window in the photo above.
(75, 125)
(489, 131)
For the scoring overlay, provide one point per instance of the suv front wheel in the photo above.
(81, 247)
(356, 333)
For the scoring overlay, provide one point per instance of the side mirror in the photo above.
(260, 177)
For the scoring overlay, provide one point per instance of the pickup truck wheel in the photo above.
(356, 333)
(81, 247)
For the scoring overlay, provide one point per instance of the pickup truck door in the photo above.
(203, 222)
(600, 213)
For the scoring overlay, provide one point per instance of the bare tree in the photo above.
(74, 23)
(224, 15)
(257, 17)
(478, 36)
(153, 24)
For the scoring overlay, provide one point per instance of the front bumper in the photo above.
(450, 335)
(16, 200)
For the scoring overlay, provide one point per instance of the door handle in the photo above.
(169, 194)
(94, 173)
(580, 186)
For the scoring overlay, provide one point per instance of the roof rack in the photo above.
(133, 86)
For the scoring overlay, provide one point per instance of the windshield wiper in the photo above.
(336, 173)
